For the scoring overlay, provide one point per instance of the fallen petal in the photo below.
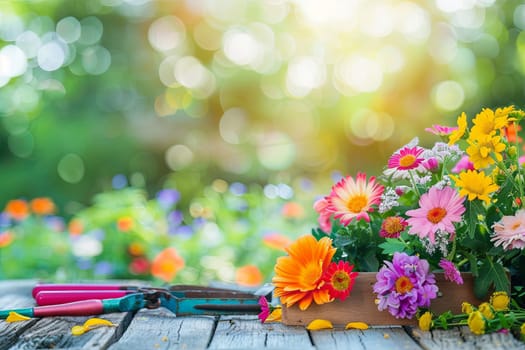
(356, 325)
(319, 324)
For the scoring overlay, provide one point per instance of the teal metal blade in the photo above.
(216, 306)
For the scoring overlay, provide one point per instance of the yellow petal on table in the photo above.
(90, 324)
(16, 317)
(78, 330)
(319, 324)
(356, 325)
(275, 316)
(98, 322)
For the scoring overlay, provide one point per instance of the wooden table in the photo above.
(160, 329)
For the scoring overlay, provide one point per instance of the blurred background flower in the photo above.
(211, 108)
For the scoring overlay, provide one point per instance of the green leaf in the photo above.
(505, 197)
(368, 262)
(474, 210)
(491, 274)
(392, 245)
(473, 261)
(343, 241)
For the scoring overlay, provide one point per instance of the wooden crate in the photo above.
(361, 306)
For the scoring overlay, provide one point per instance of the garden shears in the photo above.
(94, 299)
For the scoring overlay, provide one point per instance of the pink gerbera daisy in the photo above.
(441, 130)
(509, 232)
(438, 210)
(407, 158)
(351, 199)
(321, 206)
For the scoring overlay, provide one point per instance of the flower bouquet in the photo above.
(441, 225)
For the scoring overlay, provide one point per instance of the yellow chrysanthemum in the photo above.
(486, 310)
(457, 134)
(483, 149)
(522, 329)
(298, 276)
(425, 321)
(476, 322)
(488, 123)
(500, 301)
(466, 308)
(504, 112)
(475, 184)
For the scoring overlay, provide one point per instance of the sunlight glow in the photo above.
(304, 74)
(240, 47)
(166, 33)
(448, 95)
(51, 56)
(357, 74)
(13, 61)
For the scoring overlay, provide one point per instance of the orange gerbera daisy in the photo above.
(298, 276)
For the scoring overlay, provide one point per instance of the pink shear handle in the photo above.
(65, 287)
(53, 297)
(79, 308)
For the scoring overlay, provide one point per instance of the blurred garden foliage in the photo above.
(106, 103)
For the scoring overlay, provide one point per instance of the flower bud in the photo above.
(431, 164)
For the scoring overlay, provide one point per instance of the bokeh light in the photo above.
(273, 89)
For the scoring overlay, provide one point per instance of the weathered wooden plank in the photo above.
(18, 287)
(55, 333)
(9, 332)
(440, 339)
(161, 329)
(462, 338)
(247, 332)
(51, 332)
(392, 338)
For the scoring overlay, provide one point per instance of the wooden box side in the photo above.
(360, 306)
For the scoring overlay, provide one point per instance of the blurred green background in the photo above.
(200, 95)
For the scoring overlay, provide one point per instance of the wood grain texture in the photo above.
(360, 306)
(14, 295)
(462, 338)
(55, 333)
(161, 329)
(392, 338)
(247, 332)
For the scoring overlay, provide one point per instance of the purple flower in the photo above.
(175, 219)
(103, 268)
(55, 223)
(405, 284)
(168, 197)
(238, 189)
(451, 272)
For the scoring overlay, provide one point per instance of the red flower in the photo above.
(139, 266)
(339, 279)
